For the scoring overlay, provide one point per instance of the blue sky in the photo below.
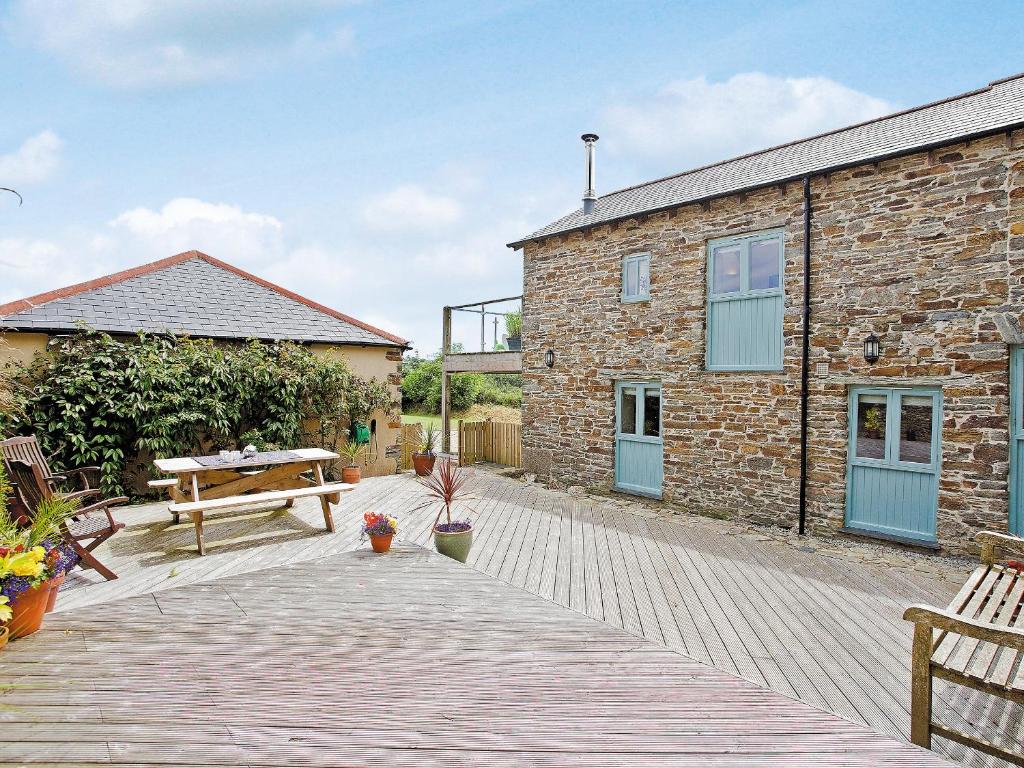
(377, 156)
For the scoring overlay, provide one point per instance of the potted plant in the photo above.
(380, 528)
(423, 457)
(31, 557)
(5, 616)
(353, 451)
(63, 560)
(452, 538)
(514, 331)
(874, 424)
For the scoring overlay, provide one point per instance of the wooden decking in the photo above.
(823, 630)
(408, 659)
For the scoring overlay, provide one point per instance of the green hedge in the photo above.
(95, 400)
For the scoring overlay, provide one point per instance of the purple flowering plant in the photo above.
(32, 550)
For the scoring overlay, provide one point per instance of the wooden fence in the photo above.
(496, 441)
(411, 435)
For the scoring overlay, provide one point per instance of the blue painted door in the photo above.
(1017, 441)
(638, 444)
(893, 461)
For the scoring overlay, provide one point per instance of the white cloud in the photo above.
(34, 161)
(694, 122)
(398, 282)
(185, 223)
(154, 43)
(31, 266)
(410, 208)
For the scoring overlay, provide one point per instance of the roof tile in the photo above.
(990, 109)
(197, 295)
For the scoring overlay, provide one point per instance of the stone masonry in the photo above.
(926, 251)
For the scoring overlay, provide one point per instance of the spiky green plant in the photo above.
(353, 451)
(428, 438)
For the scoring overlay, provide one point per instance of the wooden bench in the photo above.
(196, 509)
(977, 641)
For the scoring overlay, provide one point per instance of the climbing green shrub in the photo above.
(117, 403)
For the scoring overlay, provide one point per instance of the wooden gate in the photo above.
(495, 441)
(412, 436)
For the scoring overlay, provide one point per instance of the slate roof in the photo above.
(191, 293)
(1000, 106)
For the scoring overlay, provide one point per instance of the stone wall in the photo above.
(927, 251)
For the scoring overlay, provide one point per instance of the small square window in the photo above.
(636, 277)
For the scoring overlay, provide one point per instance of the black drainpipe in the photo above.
(805, 362)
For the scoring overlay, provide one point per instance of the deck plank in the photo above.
(822, 628)
(405, 659)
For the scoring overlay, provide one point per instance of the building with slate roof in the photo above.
(197, 295)
(825, 335)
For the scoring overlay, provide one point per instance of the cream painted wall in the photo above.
(381, 363)
(20, 347)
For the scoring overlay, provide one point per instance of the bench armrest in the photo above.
(1008, 637)
(993, 544)
(104, 506)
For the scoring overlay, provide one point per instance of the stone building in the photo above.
(195, 294)
(683, 368)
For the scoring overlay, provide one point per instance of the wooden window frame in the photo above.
(893, 396)
(745, 292)
(635, 258)
(643, 387)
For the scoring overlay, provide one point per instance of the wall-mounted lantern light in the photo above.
(549, 358)
(871, 348)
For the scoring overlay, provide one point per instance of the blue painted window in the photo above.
(636, 277)
(745, 303)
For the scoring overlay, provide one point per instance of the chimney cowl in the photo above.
(589, 194)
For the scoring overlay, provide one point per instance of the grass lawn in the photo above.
(420, 418)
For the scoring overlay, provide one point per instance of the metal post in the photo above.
(446, 346)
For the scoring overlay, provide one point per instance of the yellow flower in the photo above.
(39, 553)
(26, 564)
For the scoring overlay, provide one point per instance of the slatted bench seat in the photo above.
(977, 641)
(196, 509)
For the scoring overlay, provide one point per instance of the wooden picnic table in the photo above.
(203, 483)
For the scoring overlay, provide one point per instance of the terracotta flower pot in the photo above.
(381, 542)
(423, 463)
(350, 475)
(29, 608)
(55, 584)
(454, 545)
(4, 633)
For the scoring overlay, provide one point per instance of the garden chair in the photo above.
(32, 487)
(27, 449)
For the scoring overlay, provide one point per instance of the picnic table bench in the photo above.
(977, 641)
(206, 483)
